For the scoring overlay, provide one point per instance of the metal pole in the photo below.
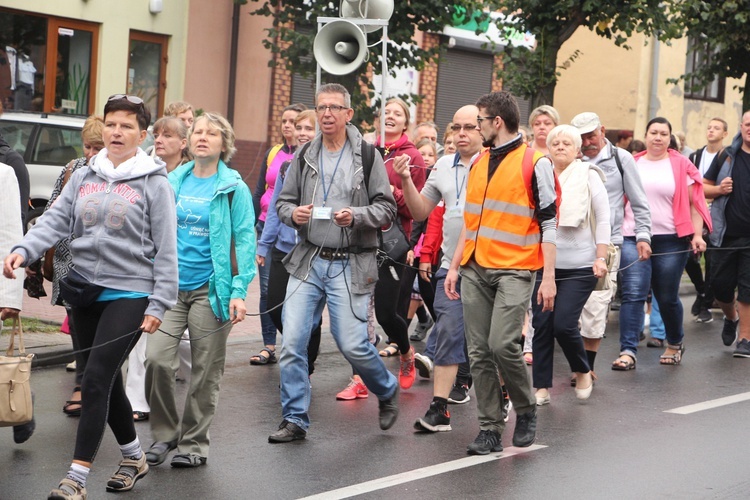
(384, 85)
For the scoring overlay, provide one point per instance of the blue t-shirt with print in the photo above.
(193, 244)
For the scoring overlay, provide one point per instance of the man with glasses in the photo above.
(336, 195)
(510, 220)
(447, 183)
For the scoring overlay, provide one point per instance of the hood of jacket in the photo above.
(140, 165)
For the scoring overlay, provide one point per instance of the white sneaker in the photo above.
(423, 365)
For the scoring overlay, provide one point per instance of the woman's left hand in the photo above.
(410, 257)
(698, 244)
(150, 324)
(237, 310)
(600, 268)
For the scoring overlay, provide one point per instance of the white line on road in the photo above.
(416, 474)
(708, 405)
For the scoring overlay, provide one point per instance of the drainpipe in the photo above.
(233, 62)
(653, 103)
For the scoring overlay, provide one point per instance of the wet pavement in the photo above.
(626, 442)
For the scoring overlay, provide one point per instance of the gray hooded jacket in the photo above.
(719, 205)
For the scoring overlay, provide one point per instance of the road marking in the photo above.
(422, 473)
(708, 405)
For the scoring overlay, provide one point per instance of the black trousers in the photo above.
(387, 299)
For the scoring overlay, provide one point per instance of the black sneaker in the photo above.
(437, 419)
(485, 442)
(388, 411)
(525, 431)
(743, 349)
(704, 316)
(695, 309)
(287, 432)
(459, 394)
(420, 332)
(729, 332)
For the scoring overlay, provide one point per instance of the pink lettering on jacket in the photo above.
(122, 190)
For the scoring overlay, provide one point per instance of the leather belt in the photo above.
(333, 253)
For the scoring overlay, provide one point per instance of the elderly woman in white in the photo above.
(582, 242)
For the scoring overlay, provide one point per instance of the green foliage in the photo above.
(294, 21)
(724, 24)
(534, 75)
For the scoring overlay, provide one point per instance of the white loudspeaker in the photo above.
(340, 47)
(367, 9)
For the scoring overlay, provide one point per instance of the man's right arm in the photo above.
(633, 187)
(419, 205)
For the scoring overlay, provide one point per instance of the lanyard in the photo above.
(463, 181)
(323, 174)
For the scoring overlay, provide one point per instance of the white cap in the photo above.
(586, 122)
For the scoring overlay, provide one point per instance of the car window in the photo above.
(57, 145)
(16, 134)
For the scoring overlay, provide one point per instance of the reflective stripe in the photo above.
(509, 208)
(471, 235)
(510, 238)
(473, 208)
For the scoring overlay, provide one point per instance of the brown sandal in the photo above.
(621, 364)
(672, 359)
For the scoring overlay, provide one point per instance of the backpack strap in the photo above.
(272, 154)
(617, 160)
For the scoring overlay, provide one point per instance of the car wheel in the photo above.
(32, 216)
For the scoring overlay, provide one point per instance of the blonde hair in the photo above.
(92, 130)
(544, 109)
(177, 107)
(307, 114)
(217, 121)
(404, 107)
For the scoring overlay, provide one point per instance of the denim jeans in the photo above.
(662, 273)
(328, 282)
(268, 329)
(656, 325)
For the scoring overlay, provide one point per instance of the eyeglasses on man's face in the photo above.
(131, 98)
(467, 127)
(333, 108)
(480, 118)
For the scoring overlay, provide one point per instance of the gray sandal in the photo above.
(158, 452)
(185, 460)
(260, 359)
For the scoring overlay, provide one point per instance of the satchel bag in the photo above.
(393, 241)
(78, 291)
(16, 407)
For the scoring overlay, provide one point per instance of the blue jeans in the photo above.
(268, 329)
(328, 282)
(662, 273)
(656, 323)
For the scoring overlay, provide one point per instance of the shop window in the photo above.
(33, 48)
(147, 70)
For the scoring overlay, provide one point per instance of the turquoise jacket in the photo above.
(224, 284)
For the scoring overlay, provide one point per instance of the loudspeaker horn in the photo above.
(367, 9)
(340, 47)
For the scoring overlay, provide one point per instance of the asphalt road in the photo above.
(623, 443)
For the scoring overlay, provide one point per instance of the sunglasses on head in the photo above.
(131, 98)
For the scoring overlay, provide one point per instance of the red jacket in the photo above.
(433, 237)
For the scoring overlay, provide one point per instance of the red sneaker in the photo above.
(355, 390)
(408, 373)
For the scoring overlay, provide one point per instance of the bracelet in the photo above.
(603, 259)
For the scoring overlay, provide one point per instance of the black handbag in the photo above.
(393, 241)
(78, 291)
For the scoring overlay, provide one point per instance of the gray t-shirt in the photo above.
(448, 182)
(334, 191)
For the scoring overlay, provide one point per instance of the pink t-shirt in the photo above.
(271, 173)
(658, 182)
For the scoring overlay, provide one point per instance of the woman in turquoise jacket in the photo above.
(214, 213)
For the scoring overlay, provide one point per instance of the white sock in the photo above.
(132, 450)
(78, 473)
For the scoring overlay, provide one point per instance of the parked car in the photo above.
(47, 143)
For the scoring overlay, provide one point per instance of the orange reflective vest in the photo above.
(501, 229)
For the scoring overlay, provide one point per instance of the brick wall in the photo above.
(428, 82)
(247, 160)
(281, 95)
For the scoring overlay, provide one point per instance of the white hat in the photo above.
(586, 122)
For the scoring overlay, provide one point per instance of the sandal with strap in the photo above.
(389, 351)
(159, 451)
(185, 460)
(655, 343)
(68, 490)
(621, 364)
(140, 416)
(672, 359)
(128, 473)
(260, 359)
(73, 408)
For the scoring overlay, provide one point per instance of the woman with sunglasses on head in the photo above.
(214, 216)
(387, 291)
(121, 212)
(275, 157)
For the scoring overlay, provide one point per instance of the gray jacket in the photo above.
(621, 185)
(372, 206)
(719, 205)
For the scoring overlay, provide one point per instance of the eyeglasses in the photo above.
(480, 118)
(467, 127)
(131, 98)
(333, 108)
